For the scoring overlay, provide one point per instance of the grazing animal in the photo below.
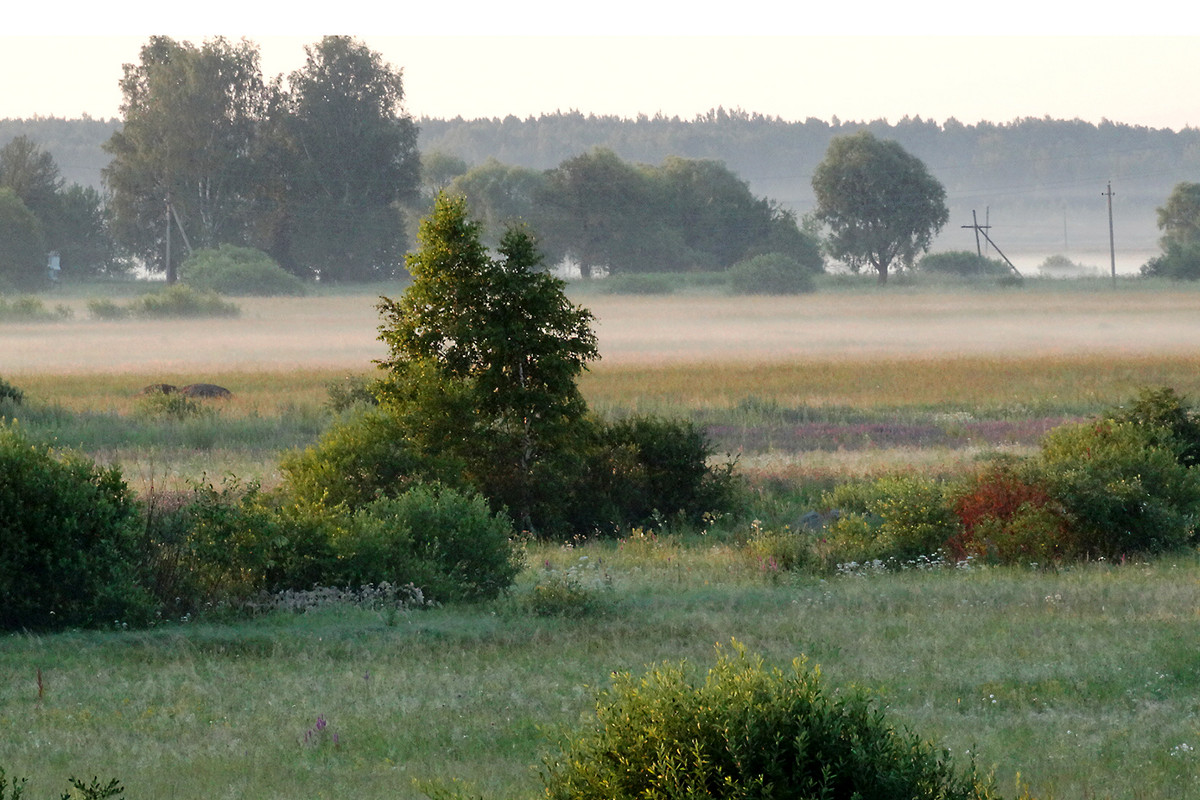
(205, 390)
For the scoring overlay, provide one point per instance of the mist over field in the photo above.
(280, 334)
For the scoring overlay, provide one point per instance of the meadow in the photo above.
(1079, 681)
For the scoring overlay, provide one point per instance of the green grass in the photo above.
(1084, 681)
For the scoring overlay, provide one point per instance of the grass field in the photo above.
(1083, 680)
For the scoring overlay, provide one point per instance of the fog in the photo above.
(340, 332)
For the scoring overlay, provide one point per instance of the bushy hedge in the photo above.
(962, 262)
(746, 731)
(637, 472)
(70, 542)
(233, 270)
(770, 273)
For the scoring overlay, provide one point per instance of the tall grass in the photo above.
(1082, 680)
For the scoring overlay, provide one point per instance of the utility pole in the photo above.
(982, 229)
(975, 225)
(1112, 247)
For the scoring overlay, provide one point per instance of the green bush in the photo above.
(962, 262)
(70, 544)
(233, 270)
(746, 731)
(104, 308)
(1168, 417)
(10, 393)
(1180, 262)
(581, 590)
(770, 273)
(1009, 517)
(28, 308)
(1124, 490)
(650, 470)
(894, 518)
(182, 301)
(361, 459)
(448, 543)
(170, 405)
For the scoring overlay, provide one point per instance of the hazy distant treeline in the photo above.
(1040, 180)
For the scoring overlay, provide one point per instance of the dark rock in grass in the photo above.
(205, 390)
(158, 388)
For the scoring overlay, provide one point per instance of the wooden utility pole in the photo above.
(1112, 247)
(982, 229)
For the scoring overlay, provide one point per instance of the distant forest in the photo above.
(1039, 182)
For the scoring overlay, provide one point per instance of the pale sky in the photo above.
(474, 59)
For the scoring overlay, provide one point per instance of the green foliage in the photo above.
(771, 273)
(581, 590)
(649, 470)
(483, 357)
(233, 270)
(11, 394)
(1178, 261)
(780, 549)
(880, 203)
(962, 262)
(1166, 411)
(69, 541)
(105, 308)
(28, 308)
(449, 543)
(896, 517)
(365, 457)
(171, 405)
(1009, 517)
(182, 301)
(347, 156)
(23, 256)
(1179, 217)
(747, 731)
(350, 392)
(79, 790)
(1123, 488)
(1059, 266)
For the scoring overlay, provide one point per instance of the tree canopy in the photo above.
(880, 203)
(311, 169)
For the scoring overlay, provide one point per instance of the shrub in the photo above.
(962, 262)
(580, 590)
(233, 270)
(654, 469)
(747, 731)
(448, 543)
(1180, 262)
(351, 391)
(28, 308)
(361, 459)
(780, 548)
(182, 301)
(1009, 517)
(70, 547)
(170, 405)
(1059, 266)
(898, 517)
(770, 273)
(1125, 491)
(1168, 417)
(10, 393)
(104, 308)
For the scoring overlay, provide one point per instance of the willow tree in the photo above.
(880, 202)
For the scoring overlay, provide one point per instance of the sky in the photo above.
(864, 60)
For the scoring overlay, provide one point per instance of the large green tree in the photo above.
(190, 117)
(1179, 216)
(501, 195)
(22, 244)
(484, 353)
(880, 203)
(349, 153)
